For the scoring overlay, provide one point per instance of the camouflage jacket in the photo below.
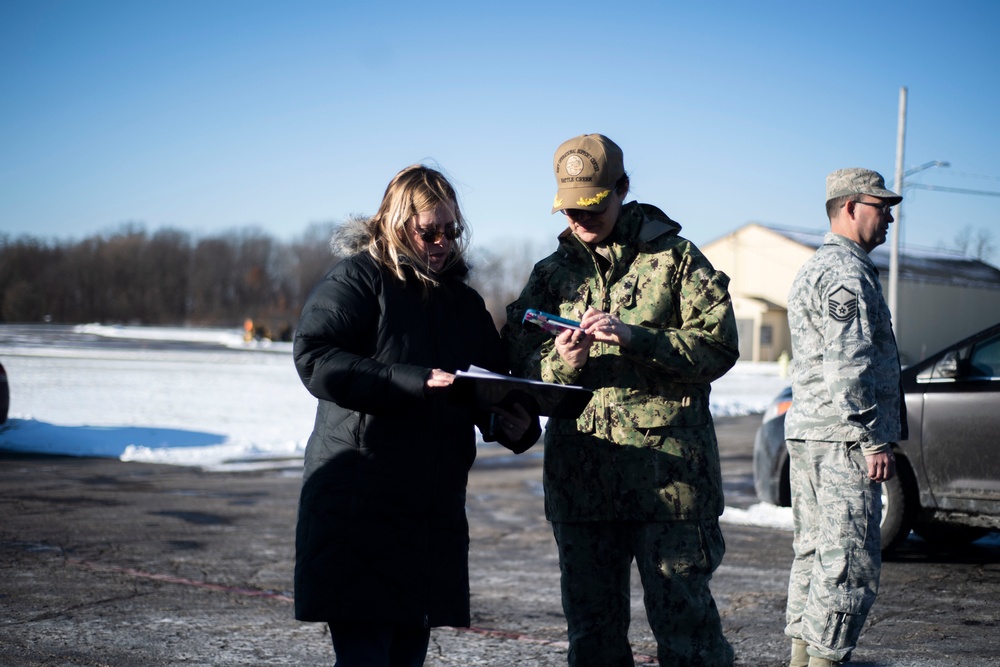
(845, 366)
(644, 448)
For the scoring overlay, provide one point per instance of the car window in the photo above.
(985, 359)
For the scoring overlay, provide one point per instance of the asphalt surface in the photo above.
(105, 563)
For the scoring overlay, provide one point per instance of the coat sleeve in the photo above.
(702, 344)
(335, 347)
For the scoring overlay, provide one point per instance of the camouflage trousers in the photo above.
(675, 560)
(836, 511)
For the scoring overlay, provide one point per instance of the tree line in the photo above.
(169, 277)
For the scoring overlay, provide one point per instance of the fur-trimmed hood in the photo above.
(351, 236)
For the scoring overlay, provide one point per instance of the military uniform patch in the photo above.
(843, 305)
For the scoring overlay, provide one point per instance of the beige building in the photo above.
(942, 296)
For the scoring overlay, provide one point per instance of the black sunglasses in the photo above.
(451, 232)
(883, 208)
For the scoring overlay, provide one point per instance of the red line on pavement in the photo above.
(170, 579)
(638, 657)
(255, 592)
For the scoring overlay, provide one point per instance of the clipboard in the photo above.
(480, 388)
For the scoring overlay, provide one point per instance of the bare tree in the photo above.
(313, 257)
(128, 275)
(500, 274)
(24, 269)
(975, 243)
(167, 263)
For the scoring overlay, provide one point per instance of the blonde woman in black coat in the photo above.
(382, 538)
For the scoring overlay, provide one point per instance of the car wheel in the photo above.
(785, 484)
(4, 395)
(899, 506)
(948, 534)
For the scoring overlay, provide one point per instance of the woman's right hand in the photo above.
(438, 379)
(574, 347)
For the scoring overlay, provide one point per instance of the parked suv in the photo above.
(947, 483)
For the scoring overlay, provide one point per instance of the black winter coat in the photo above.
(382, 534)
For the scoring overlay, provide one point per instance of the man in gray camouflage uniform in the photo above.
(637, 475)
(847, 414)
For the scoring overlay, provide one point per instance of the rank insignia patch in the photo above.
(843, 305)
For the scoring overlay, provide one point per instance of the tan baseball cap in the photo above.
(587, 168)
(857, 181)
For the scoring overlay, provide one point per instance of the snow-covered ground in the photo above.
(218, 409)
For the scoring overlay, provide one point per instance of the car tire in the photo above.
(4, 395)
(940, 533)
(785, 484)
(899, 506)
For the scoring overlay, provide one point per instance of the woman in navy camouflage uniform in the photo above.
(637, 475)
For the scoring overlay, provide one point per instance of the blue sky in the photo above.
(214, 115)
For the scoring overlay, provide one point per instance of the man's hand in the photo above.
(881, 466)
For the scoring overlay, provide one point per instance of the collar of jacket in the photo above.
(851, 246)
(638, 225)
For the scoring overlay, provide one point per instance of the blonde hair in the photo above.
(414, 190)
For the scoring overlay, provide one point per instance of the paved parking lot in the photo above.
(135, 565)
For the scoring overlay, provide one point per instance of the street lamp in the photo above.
(926, 165)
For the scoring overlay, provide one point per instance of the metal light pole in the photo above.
(898, 212)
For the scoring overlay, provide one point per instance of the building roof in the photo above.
(915, 264)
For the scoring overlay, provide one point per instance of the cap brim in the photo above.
(889, 196)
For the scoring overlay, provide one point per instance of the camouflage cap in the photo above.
(587, 168)
(857, 181)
